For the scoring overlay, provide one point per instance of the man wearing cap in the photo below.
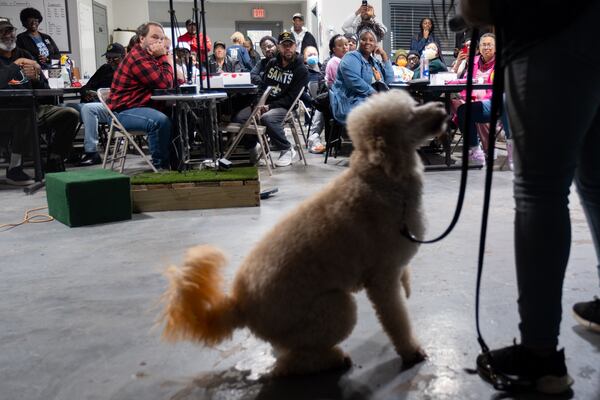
(219, 61)
(288, 76)
(190, 37)
(302, 36)
(63, 121)
(91, 110)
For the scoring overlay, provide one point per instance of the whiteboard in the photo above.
(55, 23)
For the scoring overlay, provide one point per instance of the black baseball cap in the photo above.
(189, 22)
(286, 37)
(219, 43)
(114, 50)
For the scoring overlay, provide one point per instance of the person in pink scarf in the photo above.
(483, 72)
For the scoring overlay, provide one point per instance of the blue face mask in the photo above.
(312, 60)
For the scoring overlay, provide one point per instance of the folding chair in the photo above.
(292, 122)
(122, 139)
(251, 127)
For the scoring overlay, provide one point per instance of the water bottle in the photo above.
(424, 67)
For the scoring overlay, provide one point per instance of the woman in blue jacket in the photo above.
(359, 74)
(237, 52)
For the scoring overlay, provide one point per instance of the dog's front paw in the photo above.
(413, 356)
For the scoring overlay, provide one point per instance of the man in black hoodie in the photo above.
(288, 76)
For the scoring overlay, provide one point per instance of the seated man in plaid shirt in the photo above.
(145, 68)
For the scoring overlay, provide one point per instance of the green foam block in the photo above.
(78, 198)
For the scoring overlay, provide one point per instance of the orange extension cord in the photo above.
(30, 219)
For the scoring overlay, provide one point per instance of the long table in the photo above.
(182, 103)
(27, 100)
(446, 90)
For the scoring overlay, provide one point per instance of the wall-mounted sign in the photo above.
(258, 13)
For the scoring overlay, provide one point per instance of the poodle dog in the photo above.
(295, 287)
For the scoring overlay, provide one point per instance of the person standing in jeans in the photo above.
(147, 67)
(555, 143)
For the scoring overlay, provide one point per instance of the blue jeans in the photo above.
(158, 127)
(481, 112)
(273, 120)
(92, 114)
(555, 142)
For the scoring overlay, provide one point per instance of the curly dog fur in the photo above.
(285, 291)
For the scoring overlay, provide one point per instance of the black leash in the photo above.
(465, 157)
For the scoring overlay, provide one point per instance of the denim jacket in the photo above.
(353, 83)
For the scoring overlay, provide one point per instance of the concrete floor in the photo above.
(77, 306)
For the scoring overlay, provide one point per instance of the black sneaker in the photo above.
(516, 368)
(90, 159)
(16, 176)
(588, 314)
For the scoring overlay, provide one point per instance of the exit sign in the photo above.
(258, 12)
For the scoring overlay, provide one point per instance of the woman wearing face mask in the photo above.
(436, 64)
(359, 74)
(40, 45)
(401, 71)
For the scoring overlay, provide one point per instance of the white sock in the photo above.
(15, 160)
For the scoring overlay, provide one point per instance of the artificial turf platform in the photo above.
(161, 178)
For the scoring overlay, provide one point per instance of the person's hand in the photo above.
(42, 59)
(263, 109)
(30, 68)
(361, 10)
(157, 49)
(382, 53)
(425, 33)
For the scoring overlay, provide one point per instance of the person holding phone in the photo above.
(364, 13)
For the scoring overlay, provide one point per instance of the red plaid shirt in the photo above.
(136, 77)
(191, 40)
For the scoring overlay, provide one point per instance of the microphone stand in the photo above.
(212, 124)
(180, 141)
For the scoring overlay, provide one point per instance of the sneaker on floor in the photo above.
(285, 157)
(55, 165)
(476, 156)
(90, 159)
(588, 314)
(16, 176)
(545, 374)
(316, 147)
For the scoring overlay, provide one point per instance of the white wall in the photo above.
(221, 18)
(129, 14)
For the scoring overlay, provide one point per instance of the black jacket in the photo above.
(9, 72)
(102, 78)
(287, 81)
(25, 42)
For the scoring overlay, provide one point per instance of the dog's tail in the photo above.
(196, 308)
(405, 280)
